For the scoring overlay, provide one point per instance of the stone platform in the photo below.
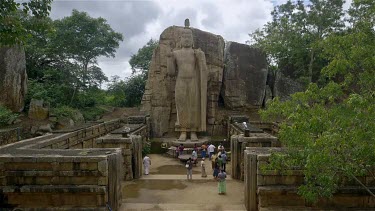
(189, 143)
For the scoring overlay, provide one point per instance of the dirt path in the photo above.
(166, 188)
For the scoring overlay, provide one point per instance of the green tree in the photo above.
(56, 66)
(12, 30)
(83, 39)
(329, 130)
(134, 89)
(116, 92)
(140, 62)
(292, 38)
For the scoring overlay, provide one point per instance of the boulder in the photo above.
(38, 110)
(33, 129)
(158, 99)
(64, 122)
(245, 76)
(285, 86)
(78, 117)
(45, 128)
(13, 77)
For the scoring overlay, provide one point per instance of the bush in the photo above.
(65, 111)
(92, 113)
(6, 116)
(146, 148)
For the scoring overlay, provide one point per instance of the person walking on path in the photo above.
(213, 161)
(189, 168)
(220, 148)
(181, 149)
(204, 149)
(222, 186)
(146, 164)
(220, 161)
(195, 148)
(216, 170)
(194, 157)
(224, 161)
(203, 165)
(211, 150)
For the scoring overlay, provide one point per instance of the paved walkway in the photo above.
(166, 188)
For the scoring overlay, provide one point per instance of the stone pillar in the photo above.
(250, 180)
(236, 158)
(137, 155)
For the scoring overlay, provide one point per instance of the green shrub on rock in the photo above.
(6, 116)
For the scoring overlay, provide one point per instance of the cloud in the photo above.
(139, 21)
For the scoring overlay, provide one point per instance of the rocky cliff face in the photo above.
(158, 100)
(13, 78)
(285, 86)
(245, 76)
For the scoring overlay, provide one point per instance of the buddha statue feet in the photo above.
(193, 136)
(182, 136)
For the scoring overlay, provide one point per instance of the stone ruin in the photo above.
(77, 169)
(82, 168)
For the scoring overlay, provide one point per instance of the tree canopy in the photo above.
(291, 39)
(140, 62)
(83, 39)
(60, 71)
(133, 87)
(12, 31)
(329, 130)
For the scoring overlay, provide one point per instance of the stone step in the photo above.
(172, 206)
(178, 177)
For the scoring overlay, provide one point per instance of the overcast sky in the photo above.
(141, 20)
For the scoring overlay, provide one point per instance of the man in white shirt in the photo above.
(211, 150)
(146, 164)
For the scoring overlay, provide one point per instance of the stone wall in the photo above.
(61, 171)
(271, 190)
(238, 144)
(131, 151)
(8, 136)
(130, 138)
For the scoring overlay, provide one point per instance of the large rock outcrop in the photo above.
(285, 86)
(158, 100)
(245, 76)
(38, 110)
(13, 78)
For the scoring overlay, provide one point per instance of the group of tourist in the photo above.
(218, 162)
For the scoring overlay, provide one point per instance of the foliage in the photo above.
(141, 61)
(61, 58)
(12, 31)
(92, 113)
(127, 92)
(65, 111)
(146, 148)
(134, 89)
(54, 93)
(329, 130)
(83, 39)
(116, 92)
(291, 39)
(6, 115)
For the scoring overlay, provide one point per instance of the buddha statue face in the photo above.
(187, 38)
